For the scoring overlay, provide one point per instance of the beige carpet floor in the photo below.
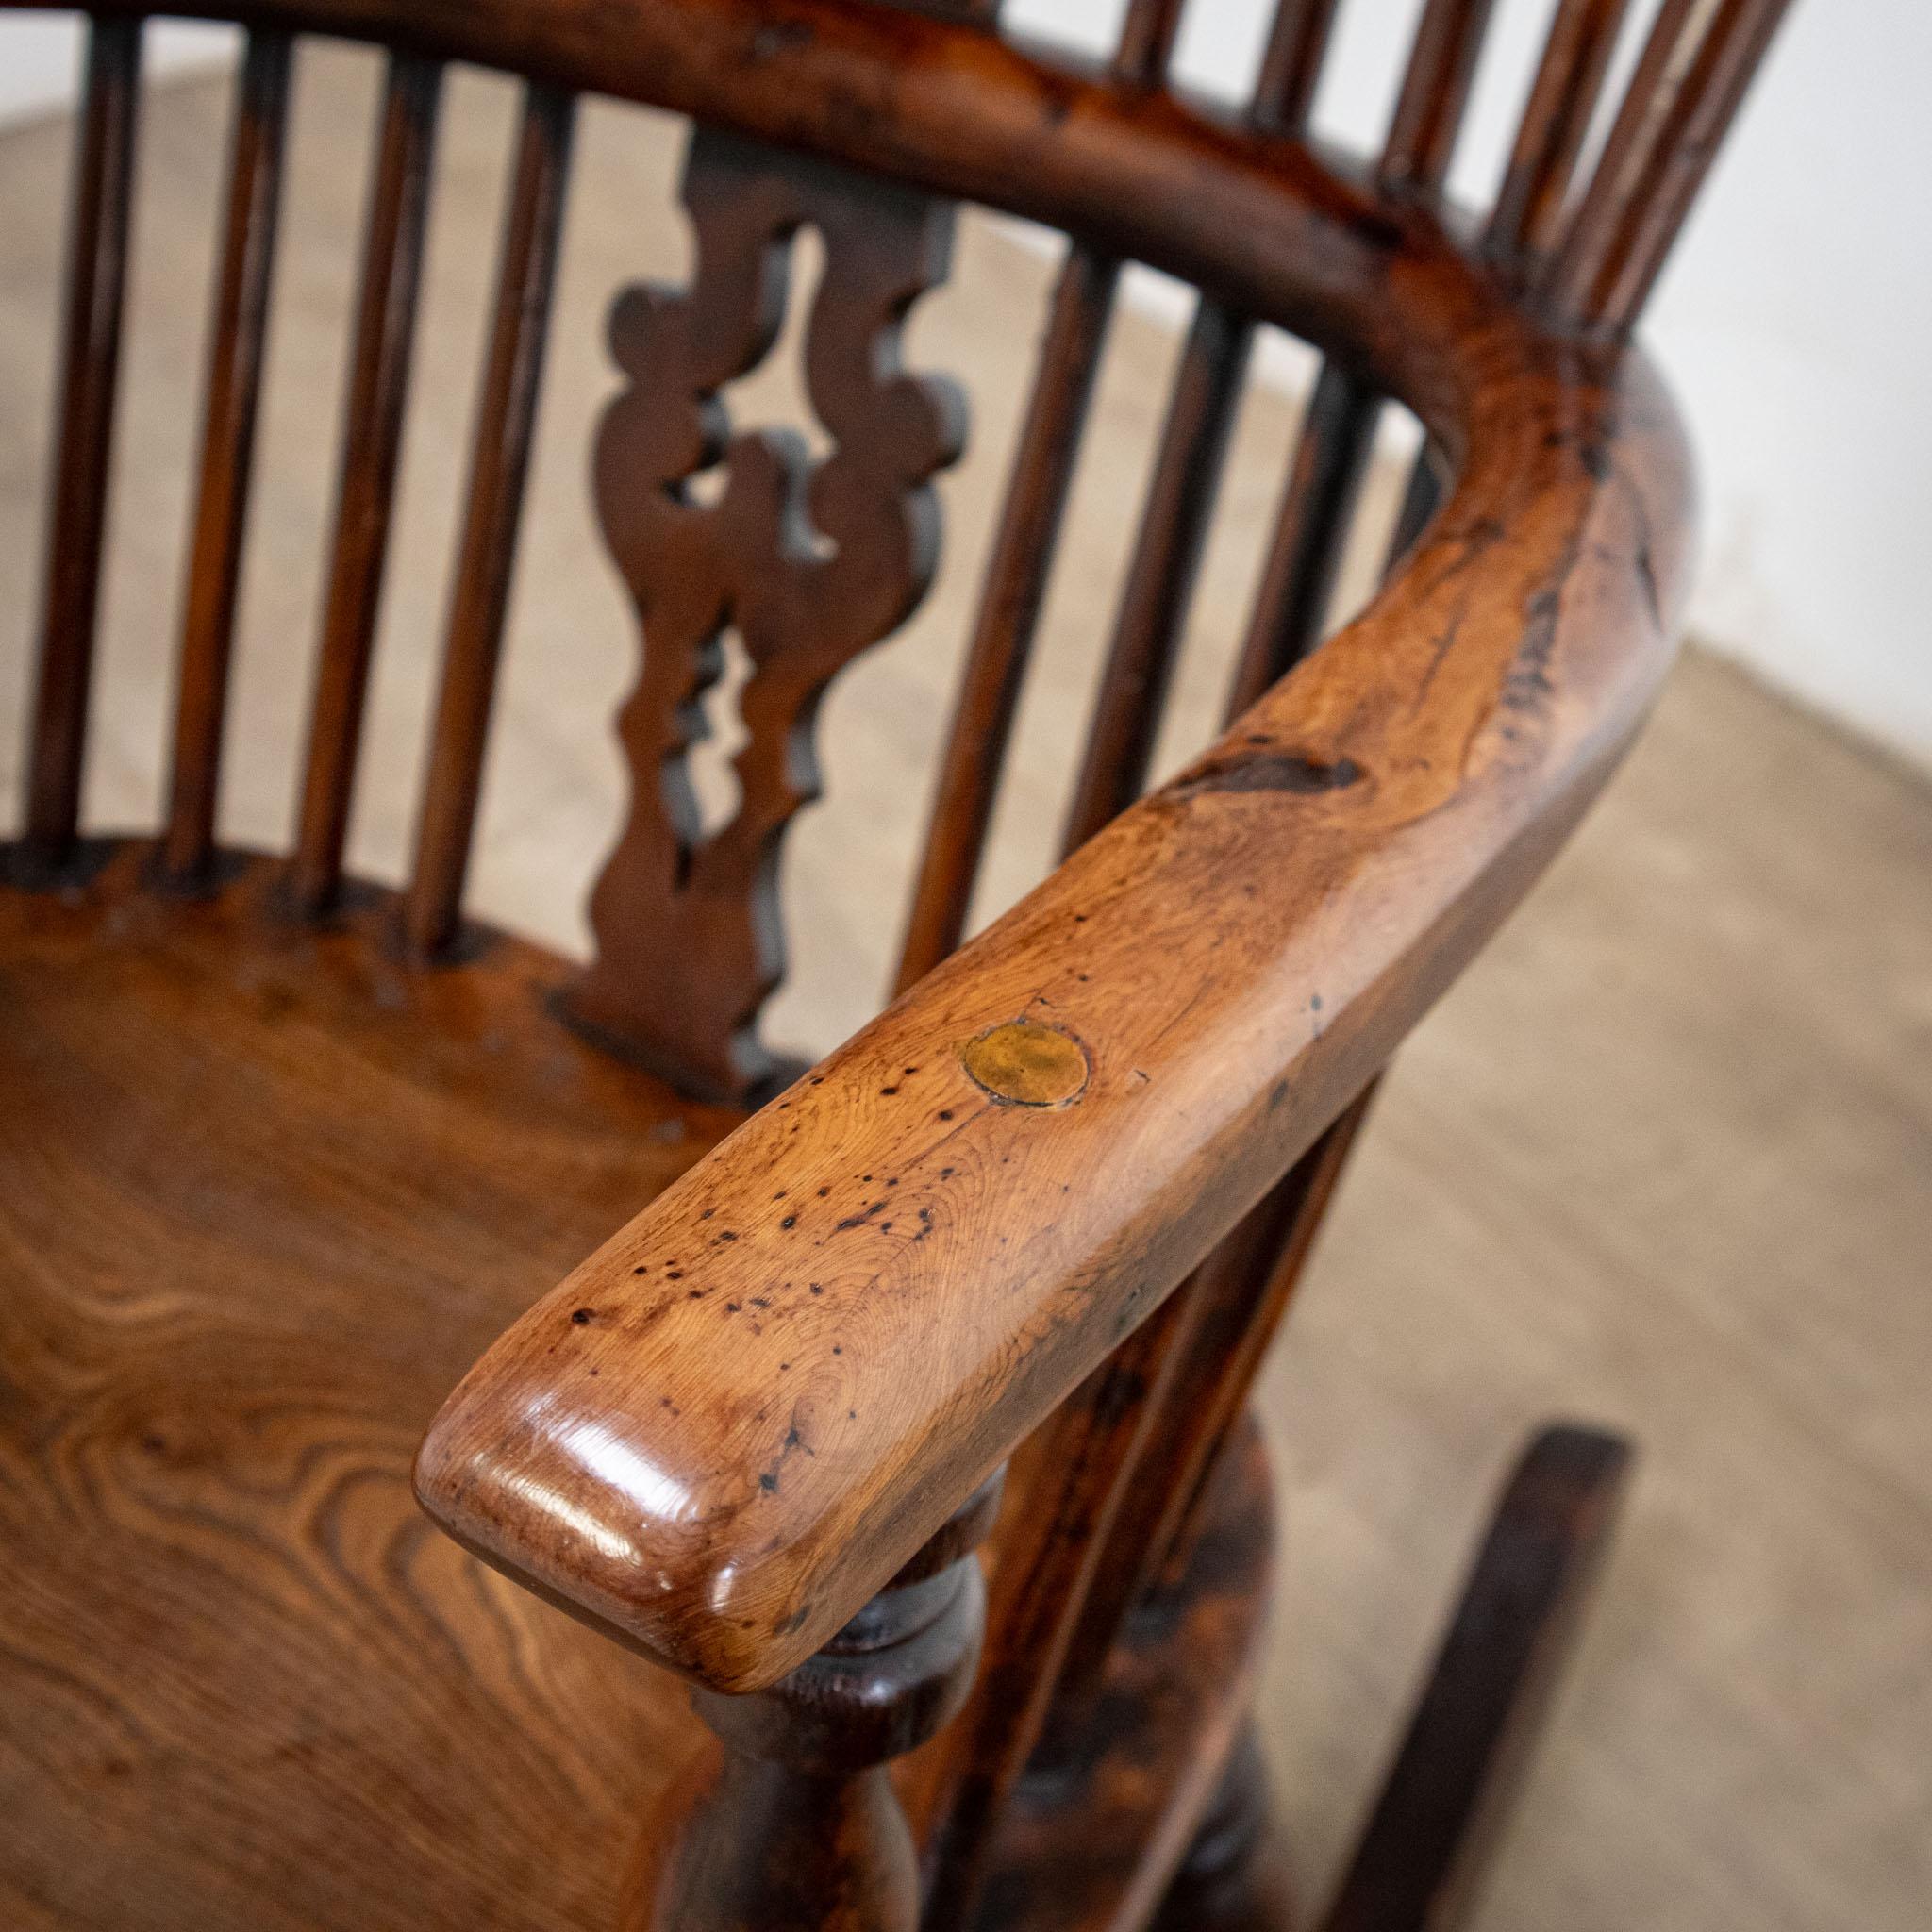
(1664, 1160)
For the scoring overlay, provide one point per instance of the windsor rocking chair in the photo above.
(285, 1153)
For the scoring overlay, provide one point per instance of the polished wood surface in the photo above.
(263, 1191)
(678, 1613)
(296, 1119)
(1370, 846)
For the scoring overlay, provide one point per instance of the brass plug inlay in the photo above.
(1026, 1064)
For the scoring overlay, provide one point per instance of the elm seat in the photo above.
(246, 1683)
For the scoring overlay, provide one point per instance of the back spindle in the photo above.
(1161, 574)
(1233, 1306)
(1181, 500)
(1072, 1477)
(1688, 84)
(1248, 1291)
(1290, 66)
(1529, 208)
(1338, 434)
(1526, 215)
(1429, 113)
(372, 449)
(1148, 32)
(1067, 1499)
(1008, 619)
(1024, 547)
(498, 471)
(1237, 1298)
(227, 454)
(1434, 99)
(1331, 455)
(83, 439)
(1526, 218)
(1318, 505)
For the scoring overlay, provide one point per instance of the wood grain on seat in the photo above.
(264, 1193)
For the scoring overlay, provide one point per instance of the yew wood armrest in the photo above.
(735, 1423)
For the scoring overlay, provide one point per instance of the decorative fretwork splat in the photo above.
(810, 562)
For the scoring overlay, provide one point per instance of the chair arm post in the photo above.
(795, 1827)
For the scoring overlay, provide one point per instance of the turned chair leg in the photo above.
(794, 1826)
(1421, 1859)
(1234, 1877)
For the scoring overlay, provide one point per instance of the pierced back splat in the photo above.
(812, 563)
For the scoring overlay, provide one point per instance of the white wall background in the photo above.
(1792, 320)
(39, 57)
